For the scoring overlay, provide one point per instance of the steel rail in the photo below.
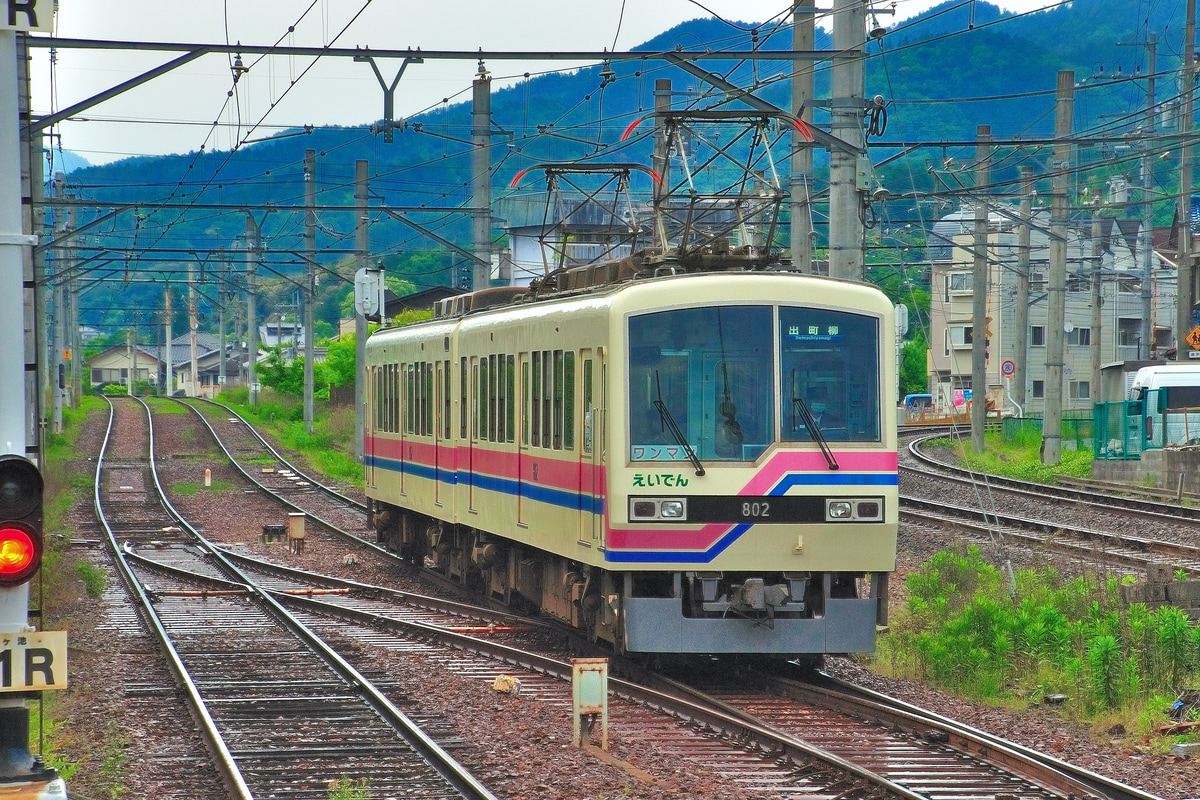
(442, 762)
(223, 760)
(1112, 789)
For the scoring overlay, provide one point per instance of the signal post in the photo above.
(29, 660)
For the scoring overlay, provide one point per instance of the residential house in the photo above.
(952, 251)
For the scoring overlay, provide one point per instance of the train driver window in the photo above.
(829, 367)
(700, 380)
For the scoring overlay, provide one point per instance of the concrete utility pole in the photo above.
(74, 335)
(169, 381)
(252, 230)
(1021, 329)
(59, 315)
(193, 328)
(1064, 115)
(801, 231)
(1097, 299)
(1146, 236)
(310, 279)
(222, 296)
(979, 289)
(660, 159)
(361, 245)
(1184, 316)
(481, 177)
(846, 118)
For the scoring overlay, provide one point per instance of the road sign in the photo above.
(30, 662)
(1193, 338)
(28, 15)
(1008, 367)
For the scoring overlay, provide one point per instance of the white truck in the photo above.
(1170, 404)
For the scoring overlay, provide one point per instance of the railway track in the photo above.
(1122, 530)
(279, 711)
(729, 731)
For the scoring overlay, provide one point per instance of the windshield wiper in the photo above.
(814, 430)
(668, 422)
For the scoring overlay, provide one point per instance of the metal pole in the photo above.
(801, 231)
(310, 277)
(1057, 289)
(660, 160)
(481, 177)
(846, 114)
(361, 245)
(979, 289)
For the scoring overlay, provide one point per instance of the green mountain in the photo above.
(928, 70)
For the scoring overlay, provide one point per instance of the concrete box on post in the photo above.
(296, 531)
(589, 695)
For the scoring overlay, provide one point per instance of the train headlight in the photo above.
(672, 509)
(854, 509)
(643, 509)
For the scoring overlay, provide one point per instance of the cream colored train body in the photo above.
(700, 463)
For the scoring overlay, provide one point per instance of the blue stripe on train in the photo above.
(542, 494)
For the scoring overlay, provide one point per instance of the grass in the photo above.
(345, 788)
(964, 631)
(1019, 457)
(329, 448)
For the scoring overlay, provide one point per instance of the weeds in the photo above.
(94, 578)
(348, 789)
(963, 631)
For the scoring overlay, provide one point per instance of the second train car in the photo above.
(698, 463)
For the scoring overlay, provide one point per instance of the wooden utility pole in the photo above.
(979, 289)
(1056, 300)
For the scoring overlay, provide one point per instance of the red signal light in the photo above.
(20, 553)
(20, 520)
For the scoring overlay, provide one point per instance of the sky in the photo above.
(176, 113)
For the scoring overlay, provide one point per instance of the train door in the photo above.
(395, 380)
(595, 390)
(523, 438)
(472, 432)
(369, 426)
(440, 371)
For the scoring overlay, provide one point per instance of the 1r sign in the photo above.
(28, 15)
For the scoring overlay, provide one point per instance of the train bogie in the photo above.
(695, 463)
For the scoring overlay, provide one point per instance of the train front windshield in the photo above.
(719, 381)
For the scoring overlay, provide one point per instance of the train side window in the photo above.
(409, 398)
(510, 385)
(525, 417)
(427, 400)
(535, 417)
(588, 421)
(394, 404)
(446, 399)
(376, 386)
(569, 400)
(462, 397)
(558, 400)
(481, 386)
(493, 401)
(475, 400)
(547, 397)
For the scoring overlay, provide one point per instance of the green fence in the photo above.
(1119, 429)
(1077, 427)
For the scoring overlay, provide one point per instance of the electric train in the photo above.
(671, 459)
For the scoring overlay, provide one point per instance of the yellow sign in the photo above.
(1193, 338)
